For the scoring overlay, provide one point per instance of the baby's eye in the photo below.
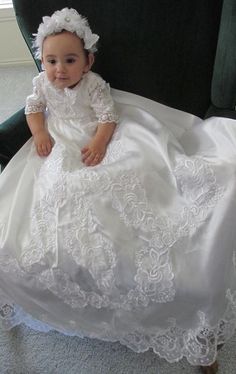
(70, 60)
(52, 61)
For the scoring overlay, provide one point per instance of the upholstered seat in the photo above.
(181, 54)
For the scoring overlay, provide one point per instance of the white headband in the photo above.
(69, 20)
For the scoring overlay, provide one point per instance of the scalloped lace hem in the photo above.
(198, 346)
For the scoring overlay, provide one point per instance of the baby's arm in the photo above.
(34, 110)
(42, 139)
(94, 151)
(102, 103)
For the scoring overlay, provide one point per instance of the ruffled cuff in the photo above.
(108, 117)
(34, 108)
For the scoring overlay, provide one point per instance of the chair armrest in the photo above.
(14, 132)
(213, 111)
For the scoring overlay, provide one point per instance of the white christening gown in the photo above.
(138, 249)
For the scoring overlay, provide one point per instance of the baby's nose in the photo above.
(60, 67)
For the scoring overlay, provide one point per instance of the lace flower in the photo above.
(65, 19)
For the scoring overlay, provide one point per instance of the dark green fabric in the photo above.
(14, 132)
(220, 112)
(224, 78)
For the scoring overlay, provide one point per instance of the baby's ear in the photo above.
(42, 64)
(90, 62)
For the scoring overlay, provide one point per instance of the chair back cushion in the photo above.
(224, 78)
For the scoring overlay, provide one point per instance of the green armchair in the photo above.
(181, 54)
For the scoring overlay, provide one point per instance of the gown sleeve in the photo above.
(36, 101)
(101, 100)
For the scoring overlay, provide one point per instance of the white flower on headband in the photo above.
(69, 20)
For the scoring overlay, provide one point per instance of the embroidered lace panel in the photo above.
(91, 249)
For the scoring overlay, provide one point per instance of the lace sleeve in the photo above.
(101, 101)
(36, 101)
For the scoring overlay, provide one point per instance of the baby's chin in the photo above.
(62, 83)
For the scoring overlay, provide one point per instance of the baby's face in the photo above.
(65, 60)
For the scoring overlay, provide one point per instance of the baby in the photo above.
(66, 46)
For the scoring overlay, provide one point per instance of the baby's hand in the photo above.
(93, 152)
(43, 142)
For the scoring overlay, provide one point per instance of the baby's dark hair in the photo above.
(82, 40)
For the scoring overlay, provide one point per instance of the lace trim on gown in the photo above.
(35, 102)
(99, 93)
(34, 108)
(199, 346)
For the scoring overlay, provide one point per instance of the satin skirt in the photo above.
(138, 249)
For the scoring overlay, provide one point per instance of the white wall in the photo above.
(13, 50)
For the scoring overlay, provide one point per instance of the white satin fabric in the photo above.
(139, 249)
